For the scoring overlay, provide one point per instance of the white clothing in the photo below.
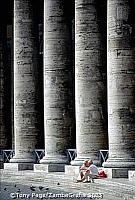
(93, 170)
(92, 173)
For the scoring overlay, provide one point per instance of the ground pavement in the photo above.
(38, 185)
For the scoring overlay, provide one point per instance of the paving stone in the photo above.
(118, 189)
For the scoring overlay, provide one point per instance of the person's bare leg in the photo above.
(81, 174)
(82, 177)
(81, 180)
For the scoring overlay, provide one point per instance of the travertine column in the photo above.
(26, 91)
(121, 83)
(90, 91)
(57, 76)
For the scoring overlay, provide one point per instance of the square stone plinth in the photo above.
(49, 168)
(117, 172)
(131, 175)
(72, 170)
(18, 166)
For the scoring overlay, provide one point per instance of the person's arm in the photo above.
(82, 167)
(88, 169)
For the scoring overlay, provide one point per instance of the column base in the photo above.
(54, 160)
(117, 172)
(18, 166)
(49, 168)
(119, 163)
(22, 160)
(131, 175)
(79, 161)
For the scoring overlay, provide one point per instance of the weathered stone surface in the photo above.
(121, 84)
(117, 172)
(90, 80)
(131, 175)
(18, 166)
(26, 78)
(58, 69)
(72, 170)
(49, 167)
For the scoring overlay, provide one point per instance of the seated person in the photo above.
(83, 169)
(88, 171)
(92, 172)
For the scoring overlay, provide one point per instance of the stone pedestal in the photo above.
(26, 78)
(131, 175)
(117, 172)
(121, 84)
(72, 170)
(58, 69)
(90, 81)
(49, 168)
(18, 166)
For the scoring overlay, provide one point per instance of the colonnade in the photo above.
(97, 85)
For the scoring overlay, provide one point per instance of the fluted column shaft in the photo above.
(26, 91)
(121, 83)
(57, 81)
(90, 86)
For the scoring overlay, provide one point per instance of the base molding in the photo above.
(49, 168)
(18, 166)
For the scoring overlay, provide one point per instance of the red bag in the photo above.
(102, 174)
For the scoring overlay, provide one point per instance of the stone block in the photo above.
(18, 166)
(131, 175)
(72, 170)
(49, 168)
(117, 172)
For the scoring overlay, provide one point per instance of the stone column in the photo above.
(26, 91)
(90, 86)
(58, 112)
(121, 84)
